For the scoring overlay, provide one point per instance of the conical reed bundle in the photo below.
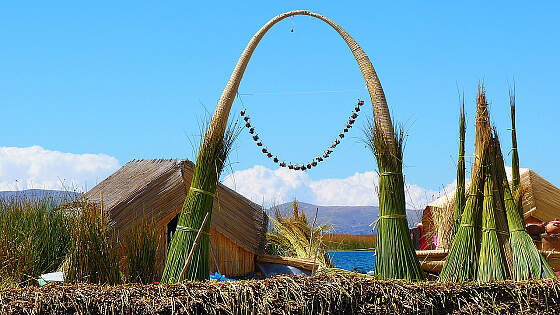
(200, 197)
(528, 262)
(461, 262)
(395, 254)
(491, 265)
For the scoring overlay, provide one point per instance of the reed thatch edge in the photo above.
(322, 294)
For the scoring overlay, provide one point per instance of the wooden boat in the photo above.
(432, 260)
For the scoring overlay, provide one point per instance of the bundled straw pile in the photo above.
(210, 161)
(323, 294)
(294, 236)
(491, 242)
(395, 254)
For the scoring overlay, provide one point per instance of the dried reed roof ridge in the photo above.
(157, 188)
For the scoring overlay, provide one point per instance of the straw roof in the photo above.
(156, 189)
(541, 199)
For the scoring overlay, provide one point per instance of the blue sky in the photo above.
(132, 80)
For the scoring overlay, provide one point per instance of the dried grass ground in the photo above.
(323, 294)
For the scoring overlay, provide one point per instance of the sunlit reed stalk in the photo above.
(460, 198)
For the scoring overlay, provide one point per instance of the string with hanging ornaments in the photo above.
(314, 161)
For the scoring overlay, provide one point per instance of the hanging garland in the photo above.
(314, 161)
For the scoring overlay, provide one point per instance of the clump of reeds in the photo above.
(460, 198)
(140, 250)
(94, 253)
(295, 236)
(211, 158)
(395, 254)
(34, 238)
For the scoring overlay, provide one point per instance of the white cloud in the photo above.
(36, 167)
(269, 187)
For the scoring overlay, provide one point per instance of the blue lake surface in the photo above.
(361, 261)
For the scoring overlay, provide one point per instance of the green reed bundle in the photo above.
(460, 198)
(200, 197)
(395, 254)
(491, 264)
(461, 262)
(528, 263)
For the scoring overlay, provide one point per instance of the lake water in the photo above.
(361, 261)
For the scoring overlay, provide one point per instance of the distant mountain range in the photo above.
(347, 219)
(39, 194)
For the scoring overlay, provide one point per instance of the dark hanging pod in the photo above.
(282, 164)
(357, 108)
(308, 165)
(345, 129)
(341, 135)
(246, 118)
(351, 121)
(264, 150)
(291, 166)
(303, 168)
(360, 102)
(297, 168)
(275, 159)
(247, 125)
(259, 143)
(354, 115)
(255, 137)
(269, 155)
(252, 130)
(243, 112)
(314, 163)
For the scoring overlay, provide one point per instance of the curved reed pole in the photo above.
(210, 158)
(380, 109)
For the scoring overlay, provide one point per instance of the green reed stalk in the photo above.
(460, 198)
(395, 254)
(200, 198)
(514, 154)
(528, 262)
(140, 249)
(491, 265)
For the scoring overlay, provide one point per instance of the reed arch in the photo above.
(381, 111)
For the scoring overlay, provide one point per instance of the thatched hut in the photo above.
(540, 199)
(156, 189)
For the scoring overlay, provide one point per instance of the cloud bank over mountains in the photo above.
(36, 167)
(40, 168)
(273, 187)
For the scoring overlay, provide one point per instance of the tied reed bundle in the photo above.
(491, 265)
(395, 255)
(210, 161)
(460, 198)
(462, 260)
(528, 262)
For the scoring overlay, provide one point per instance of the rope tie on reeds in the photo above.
(389, 173)
(189, 229)
(517, 230)
(388, 216)
(201, 191)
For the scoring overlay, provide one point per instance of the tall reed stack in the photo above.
(515, 177)
(200, 198)
(395, 254)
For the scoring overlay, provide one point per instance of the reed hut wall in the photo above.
(155, 190)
